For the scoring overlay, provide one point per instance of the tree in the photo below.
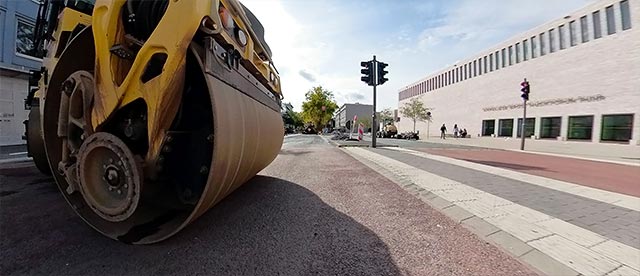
(366, 123)
(290, 117)
(416, 111)
(386, 115)
(318, 107)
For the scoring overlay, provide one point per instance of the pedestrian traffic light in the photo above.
(382, 72)
(525, 90)
(367, 72)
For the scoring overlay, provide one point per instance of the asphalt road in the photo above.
(314, 210)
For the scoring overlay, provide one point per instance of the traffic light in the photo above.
(367, 72)
(382, 72)
(525, 90)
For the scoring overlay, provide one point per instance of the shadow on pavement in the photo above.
(268, 226)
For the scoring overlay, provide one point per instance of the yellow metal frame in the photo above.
(68, 20)
(162, 93)
(118, 82)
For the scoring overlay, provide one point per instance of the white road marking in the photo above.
(563, 241)
(621, 200)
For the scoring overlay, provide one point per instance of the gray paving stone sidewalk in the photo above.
(608, 220)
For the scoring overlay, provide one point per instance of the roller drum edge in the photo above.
(242, 136)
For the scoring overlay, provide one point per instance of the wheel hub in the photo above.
(110, 178)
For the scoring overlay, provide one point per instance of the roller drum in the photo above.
(221, 138)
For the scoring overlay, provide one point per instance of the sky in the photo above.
(321, 42)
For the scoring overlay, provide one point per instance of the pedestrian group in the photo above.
(457, 132)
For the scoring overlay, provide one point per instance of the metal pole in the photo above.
(524, 119)
(373, 117)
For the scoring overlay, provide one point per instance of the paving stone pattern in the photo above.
(616, 223)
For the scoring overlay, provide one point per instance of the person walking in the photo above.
(455, 130)
(443, 130)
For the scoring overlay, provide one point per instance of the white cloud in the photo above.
(316, 42)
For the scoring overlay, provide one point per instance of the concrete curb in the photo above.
(367, 145)
(15, 160)
(524, 253)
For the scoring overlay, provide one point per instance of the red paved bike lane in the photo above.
(617, 178)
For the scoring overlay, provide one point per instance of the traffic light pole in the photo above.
(524, 119)
(374, 126)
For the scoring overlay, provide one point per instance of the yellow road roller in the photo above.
(149, 112)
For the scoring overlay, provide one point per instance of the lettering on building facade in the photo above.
(558, 101)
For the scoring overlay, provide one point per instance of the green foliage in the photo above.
(386, 116)
(415, 110)
(290, 117)
(365, 122)
(312, 112)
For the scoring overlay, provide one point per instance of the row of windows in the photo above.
(546, 42)
(616, 128)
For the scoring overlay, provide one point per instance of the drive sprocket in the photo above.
(110, 177)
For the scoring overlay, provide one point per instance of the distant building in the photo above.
(17, 22)
(343, 117)
(583, 70)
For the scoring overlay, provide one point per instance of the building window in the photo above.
(529, 128)
(484, 64)
(617, 127)
(534, 48)
(624, 13)
(464, 72)
(24, 38)
(597, 26)
(455, 77)
(611, 20)
(552, 41)
(525, 49)
(572, 33)
(491, 62)
(496, 54)
(580, 127)
(584, 29)
(561, 36)
(511, 56)
(518, 52)
(543, 50)
(488, 127)
(550, 127)
(505, 127)
(504, 58)
(475, 70)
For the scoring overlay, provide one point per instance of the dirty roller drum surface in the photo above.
(173, 145)
(219, 139)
